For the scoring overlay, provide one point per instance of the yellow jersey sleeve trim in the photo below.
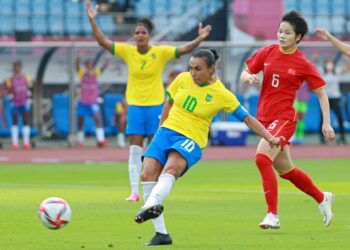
(177, 55)
(169, 95)
(113, 48)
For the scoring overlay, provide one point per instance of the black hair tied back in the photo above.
(210, 55)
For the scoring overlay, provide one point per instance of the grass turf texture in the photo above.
(217, 205)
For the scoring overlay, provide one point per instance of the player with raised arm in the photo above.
(88, 103)
(145, 90)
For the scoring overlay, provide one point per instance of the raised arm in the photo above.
(202, 34)
(105, 64)
(327, 129)
(100, 37)
(325, 35)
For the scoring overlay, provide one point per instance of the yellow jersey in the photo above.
(145, 86)
(194, 106)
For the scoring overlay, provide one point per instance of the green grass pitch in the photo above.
(217, 205)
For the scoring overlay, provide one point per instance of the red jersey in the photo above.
(283, 75)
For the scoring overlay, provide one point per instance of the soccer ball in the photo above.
(54, 213)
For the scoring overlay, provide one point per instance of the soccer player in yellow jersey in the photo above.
(194, 98)
(145, 90)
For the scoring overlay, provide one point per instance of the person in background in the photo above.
(144, 89)
(121, 110)
(19, 87)
(300, 105)
(332, 74)
(88, 103)
(284, 69)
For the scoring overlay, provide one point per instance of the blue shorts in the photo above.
(87, 109)
(166, 140)
(15, 110)
(143, 120)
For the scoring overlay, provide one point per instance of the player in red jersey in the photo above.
(284, 69)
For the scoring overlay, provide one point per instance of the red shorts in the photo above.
(284, 129)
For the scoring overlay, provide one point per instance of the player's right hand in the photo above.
(253, 79)
(91, 12)
(323, 34)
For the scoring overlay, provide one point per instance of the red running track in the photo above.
(59, 155)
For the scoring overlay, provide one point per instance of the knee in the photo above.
(173, 170)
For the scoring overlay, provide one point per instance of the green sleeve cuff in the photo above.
(113, 48)
(177, 55)
(169, 95)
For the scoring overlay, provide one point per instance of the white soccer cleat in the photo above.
(270, 221)
(326, 208)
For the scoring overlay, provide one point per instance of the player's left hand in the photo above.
(323, 34)
(274, 142)
(203, 32)
(328, 132)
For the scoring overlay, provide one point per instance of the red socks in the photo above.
(269, 181)
(302, 181)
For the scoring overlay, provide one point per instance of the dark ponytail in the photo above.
(210, 55)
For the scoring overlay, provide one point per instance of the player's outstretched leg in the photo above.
(326, 208)
(160, 239)
(270, 221)
(147, 213)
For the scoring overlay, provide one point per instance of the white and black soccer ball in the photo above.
(55, 213)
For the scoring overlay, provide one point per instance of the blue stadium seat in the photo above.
(6, 25)
(323, 22)
(22, 23)
(39, 25)
(72, 25)
(290, 5)
(72, 8)
(56, 7)
(86, 28)
(323, 7)
(338, 23)
(106, 24)
(339, 7)
(39, 7)
(109, 104)
(22, 7)
(143, 8)
(307, 7)
(56, 25)
(6, 7)
(313, 115)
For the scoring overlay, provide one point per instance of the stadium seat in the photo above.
(290, 5)
(6, 25)
(39, 7)
(109, 103)
(39, 25)
(313, 115)
(6, 9)
(72, 25)
(323, 7)
(22, 23)
(56, 25)
(106, 24)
